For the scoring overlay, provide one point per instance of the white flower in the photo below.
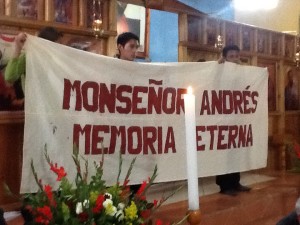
(119, 215)
(86, 203)
(112, 211)
(79, 208)
(121, 206)
(107, 203)
(108, 196)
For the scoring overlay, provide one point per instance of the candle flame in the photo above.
(190, 90)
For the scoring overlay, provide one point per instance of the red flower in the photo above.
(146, 213)
(155, 202)
(44, 215)
(142, 189)
(83, 217)
(126, 182)
(297, 150)
(59, 171)
(158, 222)
(48, 191)
(99, 204)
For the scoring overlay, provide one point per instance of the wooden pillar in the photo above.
(11, 138)
(75, 12)
(2, 8)
(112, 26)
(41, 10)
(183, 37)
(49, 10)
(281, 118)
(82, 13)
(8, 5)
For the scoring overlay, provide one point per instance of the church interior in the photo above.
(177, 31)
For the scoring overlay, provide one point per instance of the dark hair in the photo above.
(50, 34)
(228, 48)
(125, 37)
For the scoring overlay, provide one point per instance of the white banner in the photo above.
(137, 108)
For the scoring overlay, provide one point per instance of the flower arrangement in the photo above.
(91, 202)
(294, 153)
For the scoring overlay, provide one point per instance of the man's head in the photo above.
(127, 44)
(50, 34)
(231, 53)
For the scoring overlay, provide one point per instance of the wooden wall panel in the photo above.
(11, 139)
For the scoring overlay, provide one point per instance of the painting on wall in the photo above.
(247, 38)
(11, 94)
(194, 29)
(291, 89)
(272, 82)
(63, 11)
(289, 47)
(135, 19)
(262, 42)
(212, 30)
(276, 44)
(231, 34)
(27, 9)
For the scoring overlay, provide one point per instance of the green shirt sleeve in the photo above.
(15, 68)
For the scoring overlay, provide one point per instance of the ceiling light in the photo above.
(255, 5)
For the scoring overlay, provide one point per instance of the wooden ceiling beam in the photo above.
(174, 6)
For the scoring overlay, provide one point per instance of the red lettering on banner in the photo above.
(225, 136)
(123, 99)
(170, 141)
(136, 100)
(168, 104)
(238, 100)
(212, 130)
(199, 138)
(228, 102)
(132, 140)
(134, 132)
(94, 89)
(115, 133)
(180, 100)
(155, 100)
(97, 139)
(77, 130)
(221, 136)
(205, 106)
(216, 102)
(68, 86)
(232, 135)
(124, 89)
(149, 139)
(107, 98)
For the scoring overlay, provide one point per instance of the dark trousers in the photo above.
(290, 219)
(2, 220)
(228, 181)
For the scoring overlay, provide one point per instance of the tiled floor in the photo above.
(273, 195)
(265, 204)
(207, 186)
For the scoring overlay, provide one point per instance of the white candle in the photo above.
(191, 151)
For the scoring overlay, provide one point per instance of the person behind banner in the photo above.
(15, 69)
(127, 46)
(291, 99)
(230, 183)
